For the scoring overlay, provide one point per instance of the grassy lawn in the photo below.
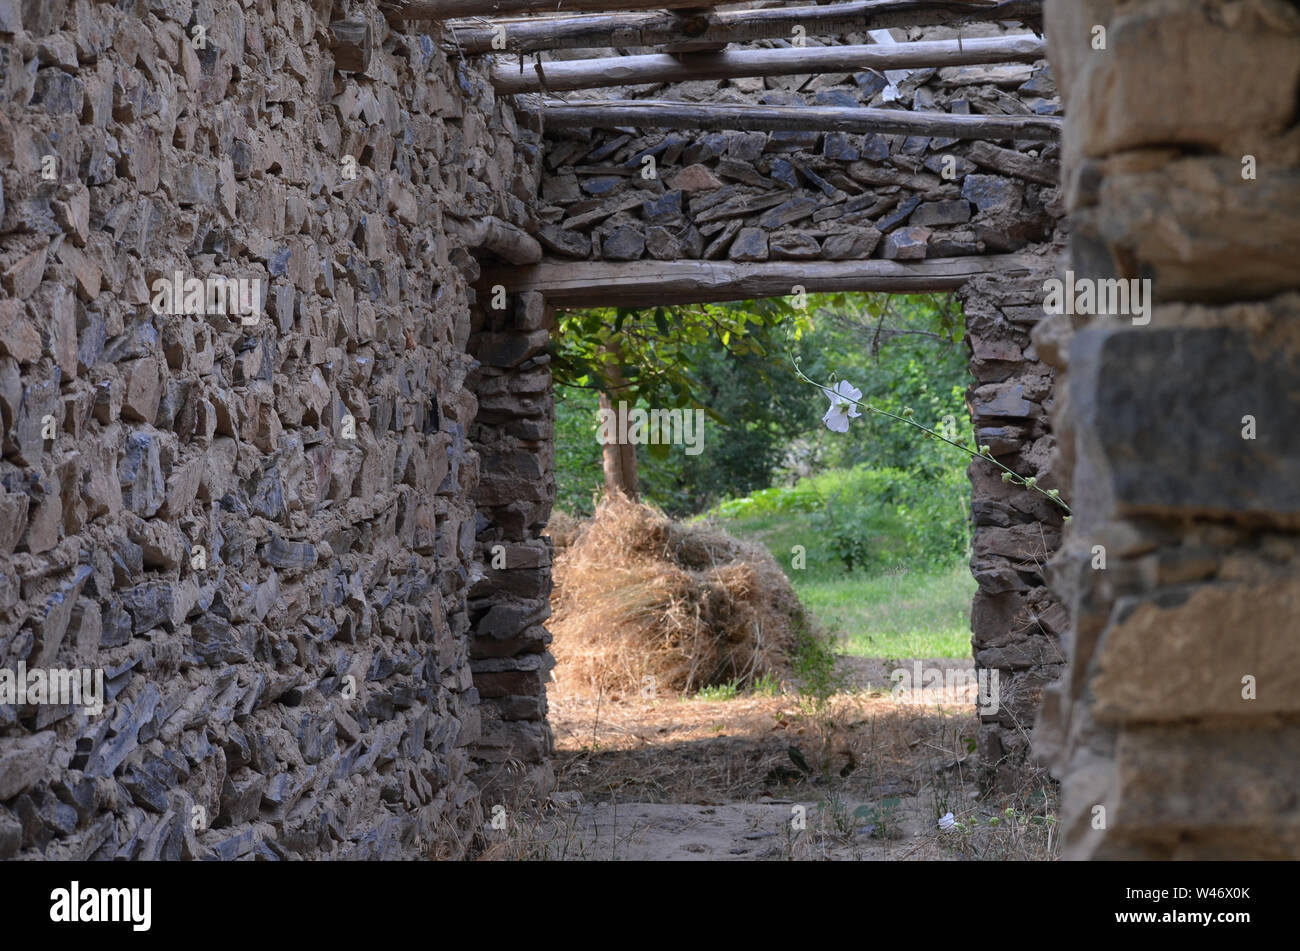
(898, 612)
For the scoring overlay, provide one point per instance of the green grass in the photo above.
(896, 614)
(898, 611)
(719, 692)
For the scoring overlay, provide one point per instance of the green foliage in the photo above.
(578, 468)
(763, 424)
(646, 356)
(814, 665)
(879, 817)
(886, 518)
(717, 692)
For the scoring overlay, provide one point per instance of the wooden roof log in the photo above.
(632, 70)
(452, 9)
(656, 29)
(652, 283)
(661, 114)
(506, 241)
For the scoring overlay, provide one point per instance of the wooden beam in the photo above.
(501, 238)
(1018, 164)
(630, 30)
(650, 283)
(661, 114)
(451, 9)
(632, 70)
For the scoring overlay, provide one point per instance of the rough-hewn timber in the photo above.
(650, 29)
(646, 283)
(633, 70)
(660, 114)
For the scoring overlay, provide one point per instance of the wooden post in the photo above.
(499, 237)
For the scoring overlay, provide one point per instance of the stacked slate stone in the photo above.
(514, 432)
(1016, 623)
(807, 196)
(261, 532)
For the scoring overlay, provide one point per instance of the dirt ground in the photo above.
(774, 777)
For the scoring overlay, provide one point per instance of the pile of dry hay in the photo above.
(639, 596)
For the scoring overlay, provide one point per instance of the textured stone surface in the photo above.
(1176, 438)
(714, 190)
(260, 530)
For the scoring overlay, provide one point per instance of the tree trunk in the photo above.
(619, 458)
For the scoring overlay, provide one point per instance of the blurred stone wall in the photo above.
(1176, 732)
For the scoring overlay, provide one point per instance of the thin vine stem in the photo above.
(1010, 476)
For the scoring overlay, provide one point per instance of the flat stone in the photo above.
(140, 473)
(58, 93)
(899, 214)
(625, 243)
(602, 184)
(838, 146)
(993, 194)
(23, 761)
(932, 213)
(214, 641)
(18, 334)
(694, 178)
(143, 390)
(946, 163)
(750, 245)
(23, 276)
(662, 245)
(39, 402)
(855, 245)
(150, 605)
(573, 244)
(796, 246)
(788, 212)
(279, 553)
(1134, 405)
(793, 140)
(906, 244)
(664, 210)
(746, 146)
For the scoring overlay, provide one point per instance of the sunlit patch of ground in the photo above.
(861, 776)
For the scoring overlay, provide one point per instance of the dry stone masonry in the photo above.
(258, 521)
(1175, 732)
(277, 423)
(615, 195)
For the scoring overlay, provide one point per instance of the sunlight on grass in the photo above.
(912, 614)
(921, 611)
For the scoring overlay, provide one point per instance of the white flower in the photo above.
(947, 822)
(841, 409)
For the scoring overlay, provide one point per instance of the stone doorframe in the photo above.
(1017, 624)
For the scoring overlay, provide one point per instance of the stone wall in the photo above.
(515, 436)
(1016, 623)
(829, 197)
(758, 196)
(261, 529)
(1176, 733)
